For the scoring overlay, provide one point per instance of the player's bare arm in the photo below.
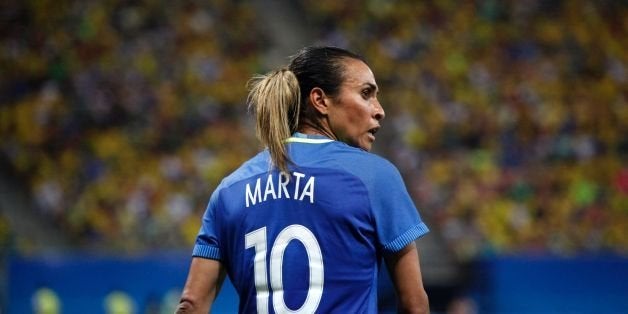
(405, 271)
(202, 286)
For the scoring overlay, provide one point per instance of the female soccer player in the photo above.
(303, 226)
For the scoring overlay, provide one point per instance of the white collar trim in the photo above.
(308, 140)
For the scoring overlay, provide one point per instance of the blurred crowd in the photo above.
(509, 119)
(121, 116)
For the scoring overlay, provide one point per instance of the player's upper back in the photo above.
(326, 221)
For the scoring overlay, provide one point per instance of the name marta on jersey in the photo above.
(276, 186)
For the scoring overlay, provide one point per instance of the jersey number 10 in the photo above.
(257, 239)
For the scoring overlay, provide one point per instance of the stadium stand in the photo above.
(117, 115)
(508, 119)
(513, 116)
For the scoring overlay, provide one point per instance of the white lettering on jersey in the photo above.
(277, 187)
(270, 188)
(254, 198)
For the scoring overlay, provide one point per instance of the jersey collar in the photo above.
(308, 138)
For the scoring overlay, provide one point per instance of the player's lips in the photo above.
(373, 131)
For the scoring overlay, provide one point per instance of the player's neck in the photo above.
(309, 128)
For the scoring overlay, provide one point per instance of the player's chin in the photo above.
(367, 143)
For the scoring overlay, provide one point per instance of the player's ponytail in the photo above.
(275, 99)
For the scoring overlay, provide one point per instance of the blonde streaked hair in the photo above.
(276, 100)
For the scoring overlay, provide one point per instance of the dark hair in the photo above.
(277, 97)
(320, 66)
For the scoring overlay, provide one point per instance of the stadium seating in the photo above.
(508, 119)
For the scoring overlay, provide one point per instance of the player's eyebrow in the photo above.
(372, 86)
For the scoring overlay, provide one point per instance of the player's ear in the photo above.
(319, 100)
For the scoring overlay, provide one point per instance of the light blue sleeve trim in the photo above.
(206, 251)
(412, 234)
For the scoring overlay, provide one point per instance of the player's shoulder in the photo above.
(253, 167)
(361, 162)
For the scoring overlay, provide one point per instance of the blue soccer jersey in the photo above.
(310, 240)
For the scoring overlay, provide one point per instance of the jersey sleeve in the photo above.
(397, 220)
(207, 241)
